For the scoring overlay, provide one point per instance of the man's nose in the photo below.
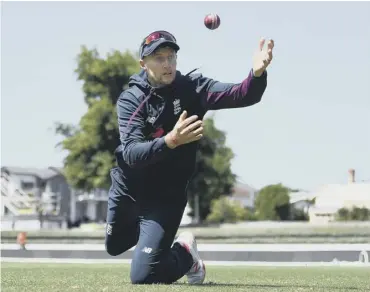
(166, 63)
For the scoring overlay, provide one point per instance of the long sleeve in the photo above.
(137, 153)
(218, 95)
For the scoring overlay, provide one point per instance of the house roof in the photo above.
(337, 192)
(300, 196)
(357, 189)
(343, 195)
(42, 173)
(242, 190)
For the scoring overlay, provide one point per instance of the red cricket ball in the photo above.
(212, 21)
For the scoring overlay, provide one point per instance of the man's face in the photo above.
(161, 65)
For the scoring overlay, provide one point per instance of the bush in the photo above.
(343, 214)
(272, 203)
(353, 214)
(298, 215)
(224, 210)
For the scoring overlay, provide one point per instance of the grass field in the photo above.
(115, 277)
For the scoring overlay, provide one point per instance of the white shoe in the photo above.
(197, 272)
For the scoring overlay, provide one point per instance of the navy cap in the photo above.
(155, 40)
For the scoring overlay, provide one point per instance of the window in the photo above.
(27, 185)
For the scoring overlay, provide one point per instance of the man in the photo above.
(160, 122)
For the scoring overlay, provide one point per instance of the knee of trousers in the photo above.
(142, 270)
(138, 280)
(112, 249)
(116, 246)
(148, 270)
(140, 276)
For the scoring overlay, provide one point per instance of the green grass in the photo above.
(115, 277)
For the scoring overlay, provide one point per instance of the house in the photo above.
(245, 194)
(43, 193)
(301, 200)
(331, 197)
(43, 198)
(30, 186)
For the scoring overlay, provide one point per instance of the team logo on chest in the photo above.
(176, 106)
(151, 120)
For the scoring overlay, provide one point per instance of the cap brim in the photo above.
(163, 43)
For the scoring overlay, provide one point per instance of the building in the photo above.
(34, 198)
(301, 200)
(245, 194)
(23, 190)
(331, 197)
(43, 195)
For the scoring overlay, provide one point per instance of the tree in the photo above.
(353, 214)
(224, 210)
(343, 214)
(213, 176)
(360, 213)
(272, 203)
(91, 145)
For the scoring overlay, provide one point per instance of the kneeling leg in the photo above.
(154, 260)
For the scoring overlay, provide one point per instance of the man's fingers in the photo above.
(187, 121)
(269, 55)
(192, 127)
(189, 129)
(198, 137)
(266, 60)
(198, 131)
(183, 116)
(270, 45)
(261, 43)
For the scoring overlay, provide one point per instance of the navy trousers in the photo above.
(150, 226)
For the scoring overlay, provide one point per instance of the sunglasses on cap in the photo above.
(154, 36)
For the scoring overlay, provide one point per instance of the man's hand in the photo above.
(263, 57)
(186, 130)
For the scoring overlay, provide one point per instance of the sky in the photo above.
(311, 126)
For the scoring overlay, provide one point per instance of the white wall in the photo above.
(27, 225)
(17, 179)
(245, 201)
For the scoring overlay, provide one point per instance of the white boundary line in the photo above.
(208, 263)
(167, 0)
(206, 247)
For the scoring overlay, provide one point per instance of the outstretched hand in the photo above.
(263, 57)
(186, 130)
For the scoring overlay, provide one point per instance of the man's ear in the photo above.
(142, 64)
